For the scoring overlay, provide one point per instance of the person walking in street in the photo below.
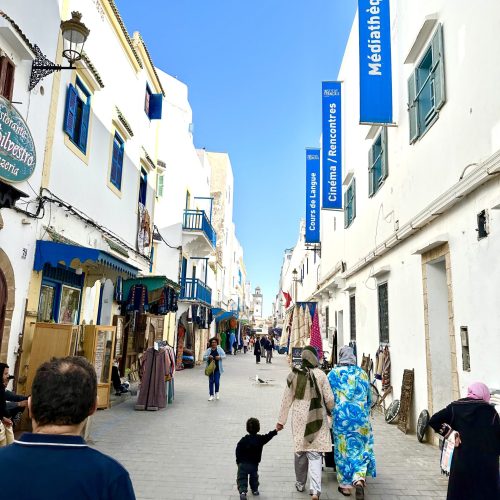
(214, 353)
(310, 395)
(245, 344)
(474, 468)
(257, 350)
(269, 349)
(354, 456)
(55, 461)
(249, 455)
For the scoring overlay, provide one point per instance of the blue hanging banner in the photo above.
(332, 146)
(313, 191)
(375, 72)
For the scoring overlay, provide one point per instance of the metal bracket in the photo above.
(314, 247)
(43, 67)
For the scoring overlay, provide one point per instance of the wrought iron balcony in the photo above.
(197, 220)
(195, 289)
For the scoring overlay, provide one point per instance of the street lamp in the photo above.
(74, 34)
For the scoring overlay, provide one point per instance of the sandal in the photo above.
(345, 492)
(360, 490)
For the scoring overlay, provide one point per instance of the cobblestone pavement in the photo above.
(187, 450)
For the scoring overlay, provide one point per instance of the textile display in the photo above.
(308, 324)
(137, 299)
(144, 230)
(302, 327)
(181, 332)
(386, 369)
(316, 341)
(152, 393)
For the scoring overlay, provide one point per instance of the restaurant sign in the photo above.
(17, 149)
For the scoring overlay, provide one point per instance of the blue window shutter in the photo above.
(371, 172)
(155, 106)
(346, 208)
(70, 115)
(438, 69)
(117, 163)
(385, 155)
(413, 107)
(82, 143)
(353, 199)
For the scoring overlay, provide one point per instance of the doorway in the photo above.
(442, 375)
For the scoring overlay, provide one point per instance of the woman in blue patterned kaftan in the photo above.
(352, 431)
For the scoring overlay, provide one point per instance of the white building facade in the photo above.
(411, 263)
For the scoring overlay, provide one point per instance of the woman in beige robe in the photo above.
(310, 425)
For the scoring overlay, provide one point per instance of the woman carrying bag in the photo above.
(474, 428)
(213, 356)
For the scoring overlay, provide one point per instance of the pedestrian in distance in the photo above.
(269, 349)
(245, 344)
(257, 350)
(353, 451)
(248, 457)
(309, 395)
(54, 461)
(214, 353)
(474, 467)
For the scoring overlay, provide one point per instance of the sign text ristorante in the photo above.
(17, 149)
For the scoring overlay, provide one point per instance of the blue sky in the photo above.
(254, 71)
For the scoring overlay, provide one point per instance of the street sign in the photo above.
(297, 355)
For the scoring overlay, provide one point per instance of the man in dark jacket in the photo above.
(55, 458)
(248, 456)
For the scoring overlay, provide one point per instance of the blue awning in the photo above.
(53, 253)
(227, 315)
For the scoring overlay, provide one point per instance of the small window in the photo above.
(426, 88)
(143, 187)
(159, 185)
(117, 162)
(383, 313)
(352, 315)
(377, 162)
(350, 204)
(7, 70)
(76, 119)
(153, 104)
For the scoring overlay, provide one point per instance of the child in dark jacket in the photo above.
(248, 456)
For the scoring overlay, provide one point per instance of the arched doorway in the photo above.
(7, 290)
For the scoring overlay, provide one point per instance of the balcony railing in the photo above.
(195, 289)
(197, 220)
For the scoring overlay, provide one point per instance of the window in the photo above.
(350, 204)
(7, 70)
(76, 118)
(143, 186)
(352, 315)
(160, 178)
(426, 88)
(117, 162)
(152, 104)
(383, 313)
(377, 162)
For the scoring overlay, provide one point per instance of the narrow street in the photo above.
(187, 450)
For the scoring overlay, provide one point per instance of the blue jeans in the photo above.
(214, 379)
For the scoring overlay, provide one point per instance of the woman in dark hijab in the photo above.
(474, 468)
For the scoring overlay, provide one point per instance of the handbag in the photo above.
(209, 370)
(447, 452)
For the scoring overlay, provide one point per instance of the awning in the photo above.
(227, 315)
(152, 283)
(53, 253)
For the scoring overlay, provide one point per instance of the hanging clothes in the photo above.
(181, 332)
(308, 324)
(137, 299)
(379, 363)
(295, 333)
(152, 393)
(386, 369)
(316, 341)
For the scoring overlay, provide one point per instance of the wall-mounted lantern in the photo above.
(74, 34)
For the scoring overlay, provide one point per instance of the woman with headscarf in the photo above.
(257, 351)
(352, 430)
(310, 395)
(474, 467)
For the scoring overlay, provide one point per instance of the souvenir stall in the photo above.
(227, 330)
(301, 327)
(148, 309)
